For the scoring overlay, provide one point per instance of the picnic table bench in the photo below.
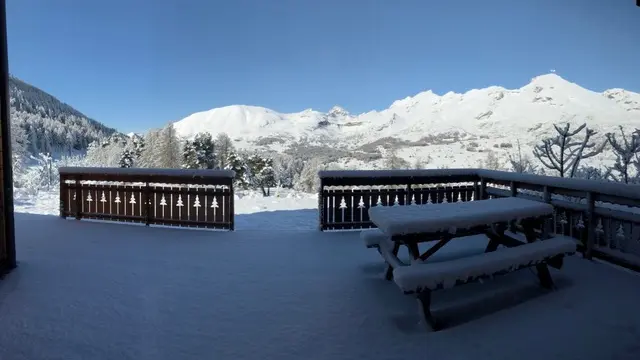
(440, 223)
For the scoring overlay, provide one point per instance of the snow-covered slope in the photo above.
(490, 116)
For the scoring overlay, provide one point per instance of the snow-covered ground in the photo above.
(88, 290)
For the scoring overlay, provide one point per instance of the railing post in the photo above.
(63, 196)
(232, 211)
(514, 189)
(591, 225)
(483, 189)
(549, 225)
(321, 219)
(147, 203)
(514, 193)
(78, 193)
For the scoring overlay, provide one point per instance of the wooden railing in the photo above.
(603, 216)
(170, 197)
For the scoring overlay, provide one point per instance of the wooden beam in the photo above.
(8, 231)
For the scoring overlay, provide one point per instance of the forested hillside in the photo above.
(43, 124)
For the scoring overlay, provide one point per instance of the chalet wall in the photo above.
(7, 238)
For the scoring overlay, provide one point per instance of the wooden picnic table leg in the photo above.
(528, 227)
(414, 250)
(495, 234)
(389, 273)
(424, 298)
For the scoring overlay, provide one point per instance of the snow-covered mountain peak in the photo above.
(627, 99)
(491, 113)
(337, 111)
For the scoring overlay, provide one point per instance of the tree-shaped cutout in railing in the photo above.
(179, 205)
(132, 201)
(196, 205)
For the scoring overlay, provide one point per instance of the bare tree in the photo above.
(566, 158)
(393, 162)
(224, 146)
(522, 163)
(627, 153)
(491, 162)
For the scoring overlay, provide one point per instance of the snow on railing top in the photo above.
(200, 173)
(596, 186)
(339, 174)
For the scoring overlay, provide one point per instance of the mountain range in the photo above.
(441, 128)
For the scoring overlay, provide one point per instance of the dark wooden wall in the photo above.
(7, 237)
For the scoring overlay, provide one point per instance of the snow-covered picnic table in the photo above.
(411, 225)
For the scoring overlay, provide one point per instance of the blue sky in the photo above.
(136, 64)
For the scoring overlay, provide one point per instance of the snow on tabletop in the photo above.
(430, 275)
(400, 220)
(147, 171)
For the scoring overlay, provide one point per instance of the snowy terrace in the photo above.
(278, 288)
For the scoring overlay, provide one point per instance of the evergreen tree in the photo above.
(127, 159)
(261, 173)
(204, 150)
(235, 162)
(189, 156)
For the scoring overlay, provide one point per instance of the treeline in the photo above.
(562, 155)
(163, 148)
(40, 123)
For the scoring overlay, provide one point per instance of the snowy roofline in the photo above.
(204, 173)
(600, 187)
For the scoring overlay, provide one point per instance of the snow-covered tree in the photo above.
(127, 159)
(105, 153)
(309, 180)
(287, 170)
(591, 173)
(204, 150)
(261, 174)
(169, 148)
(626, 151)
(19, 148)
(392, 161)
(162, 149)
(522, 163)
(45, 169)
(563, 154)
(148, 153)
(491, 162)
(236, 163)
(223, 147)
(189, 157)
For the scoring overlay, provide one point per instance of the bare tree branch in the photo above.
(563, 154)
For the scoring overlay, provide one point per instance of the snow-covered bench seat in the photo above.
(372, 238)
(422, 278)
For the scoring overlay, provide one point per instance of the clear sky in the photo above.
(136, 64)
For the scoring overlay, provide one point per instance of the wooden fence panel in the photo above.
(191, 198)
